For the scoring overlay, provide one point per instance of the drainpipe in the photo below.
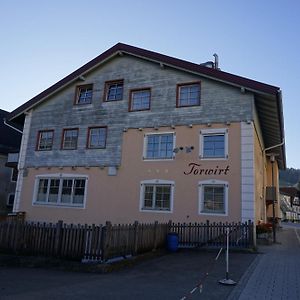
(12, 127)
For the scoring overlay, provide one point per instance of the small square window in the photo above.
(159, 146)
(45, 140)
(70, 137)
(139, 100)
(213, 144)
(188, 94)
(156, 195)
(96, 137)
(213, 197)
(114, 90)
(84, 94)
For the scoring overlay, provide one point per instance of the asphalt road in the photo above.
(171, 276)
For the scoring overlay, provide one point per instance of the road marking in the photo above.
(297, 235)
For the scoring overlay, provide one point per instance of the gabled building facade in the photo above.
(137, 135)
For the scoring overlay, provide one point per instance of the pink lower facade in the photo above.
(116, 193)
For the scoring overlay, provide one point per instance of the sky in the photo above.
(43, 41)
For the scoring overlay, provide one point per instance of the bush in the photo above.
(263, 228)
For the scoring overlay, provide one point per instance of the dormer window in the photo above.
(84, 94)
(113, 90)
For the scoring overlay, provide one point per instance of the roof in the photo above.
(289, 191)
(267, 97)
(10, 139)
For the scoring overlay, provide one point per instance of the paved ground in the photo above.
(170, 276)
(275, 274)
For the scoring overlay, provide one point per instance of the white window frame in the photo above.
(146, 144)
(60, 177)
(209, 132)
(156, 182)
(212, 182)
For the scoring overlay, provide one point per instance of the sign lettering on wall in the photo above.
(196, 169)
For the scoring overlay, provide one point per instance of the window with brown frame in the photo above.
(188, 94)
(84, 94)
(113, 90)
(140, 99)
(96, 137)
(45, 140)
(70, 138)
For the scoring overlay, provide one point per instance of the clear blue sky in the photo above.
(43, 41)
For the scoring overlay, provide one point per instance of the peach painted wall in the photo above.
(117, 198)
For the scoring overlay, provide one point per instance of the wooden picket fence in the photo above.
(103, 242)
(94, 242)
(213, 235)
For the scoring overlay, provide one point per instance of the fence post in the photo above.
(106, 232)
(58, 236)
(169, 226)
(17, 225)
(155, 235)
(135, 237)
(207, 231)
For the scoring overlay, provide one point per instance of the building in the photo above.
(10, 140)
(289, 203)
(137, 135)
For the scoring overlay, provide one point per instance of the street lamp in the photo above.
(272, 160)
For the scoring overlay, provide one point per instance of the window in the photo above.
(45, 140)
(14, 174)
(10, 200)
(60, 190)
(96, 137)
(84, 94)
(156, 195)
(139, 100)
(114, 90)
(159, 146)
(213, 195)
(70, 137)
(213, 144)
(188, 94)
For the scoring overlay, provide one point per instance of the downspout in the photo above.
(12, 127)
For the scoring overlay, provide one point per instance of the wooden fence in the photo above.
(95, 242)
(213, 235)
(103, 242)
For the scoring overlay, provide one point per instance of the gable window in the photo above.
(97, 137)
(60, 190)
(156, 195)
(45, 140)
(84, 94)
(114, 90)
(70, 137)
(139, 99)
(188, 94)
(213, 197)
(213, 144)
(159, 146)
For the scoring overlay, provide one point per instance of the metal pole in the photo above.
(227, 281)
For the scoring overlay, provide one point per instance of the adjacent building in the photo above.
(138, 135)
(10, 140)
